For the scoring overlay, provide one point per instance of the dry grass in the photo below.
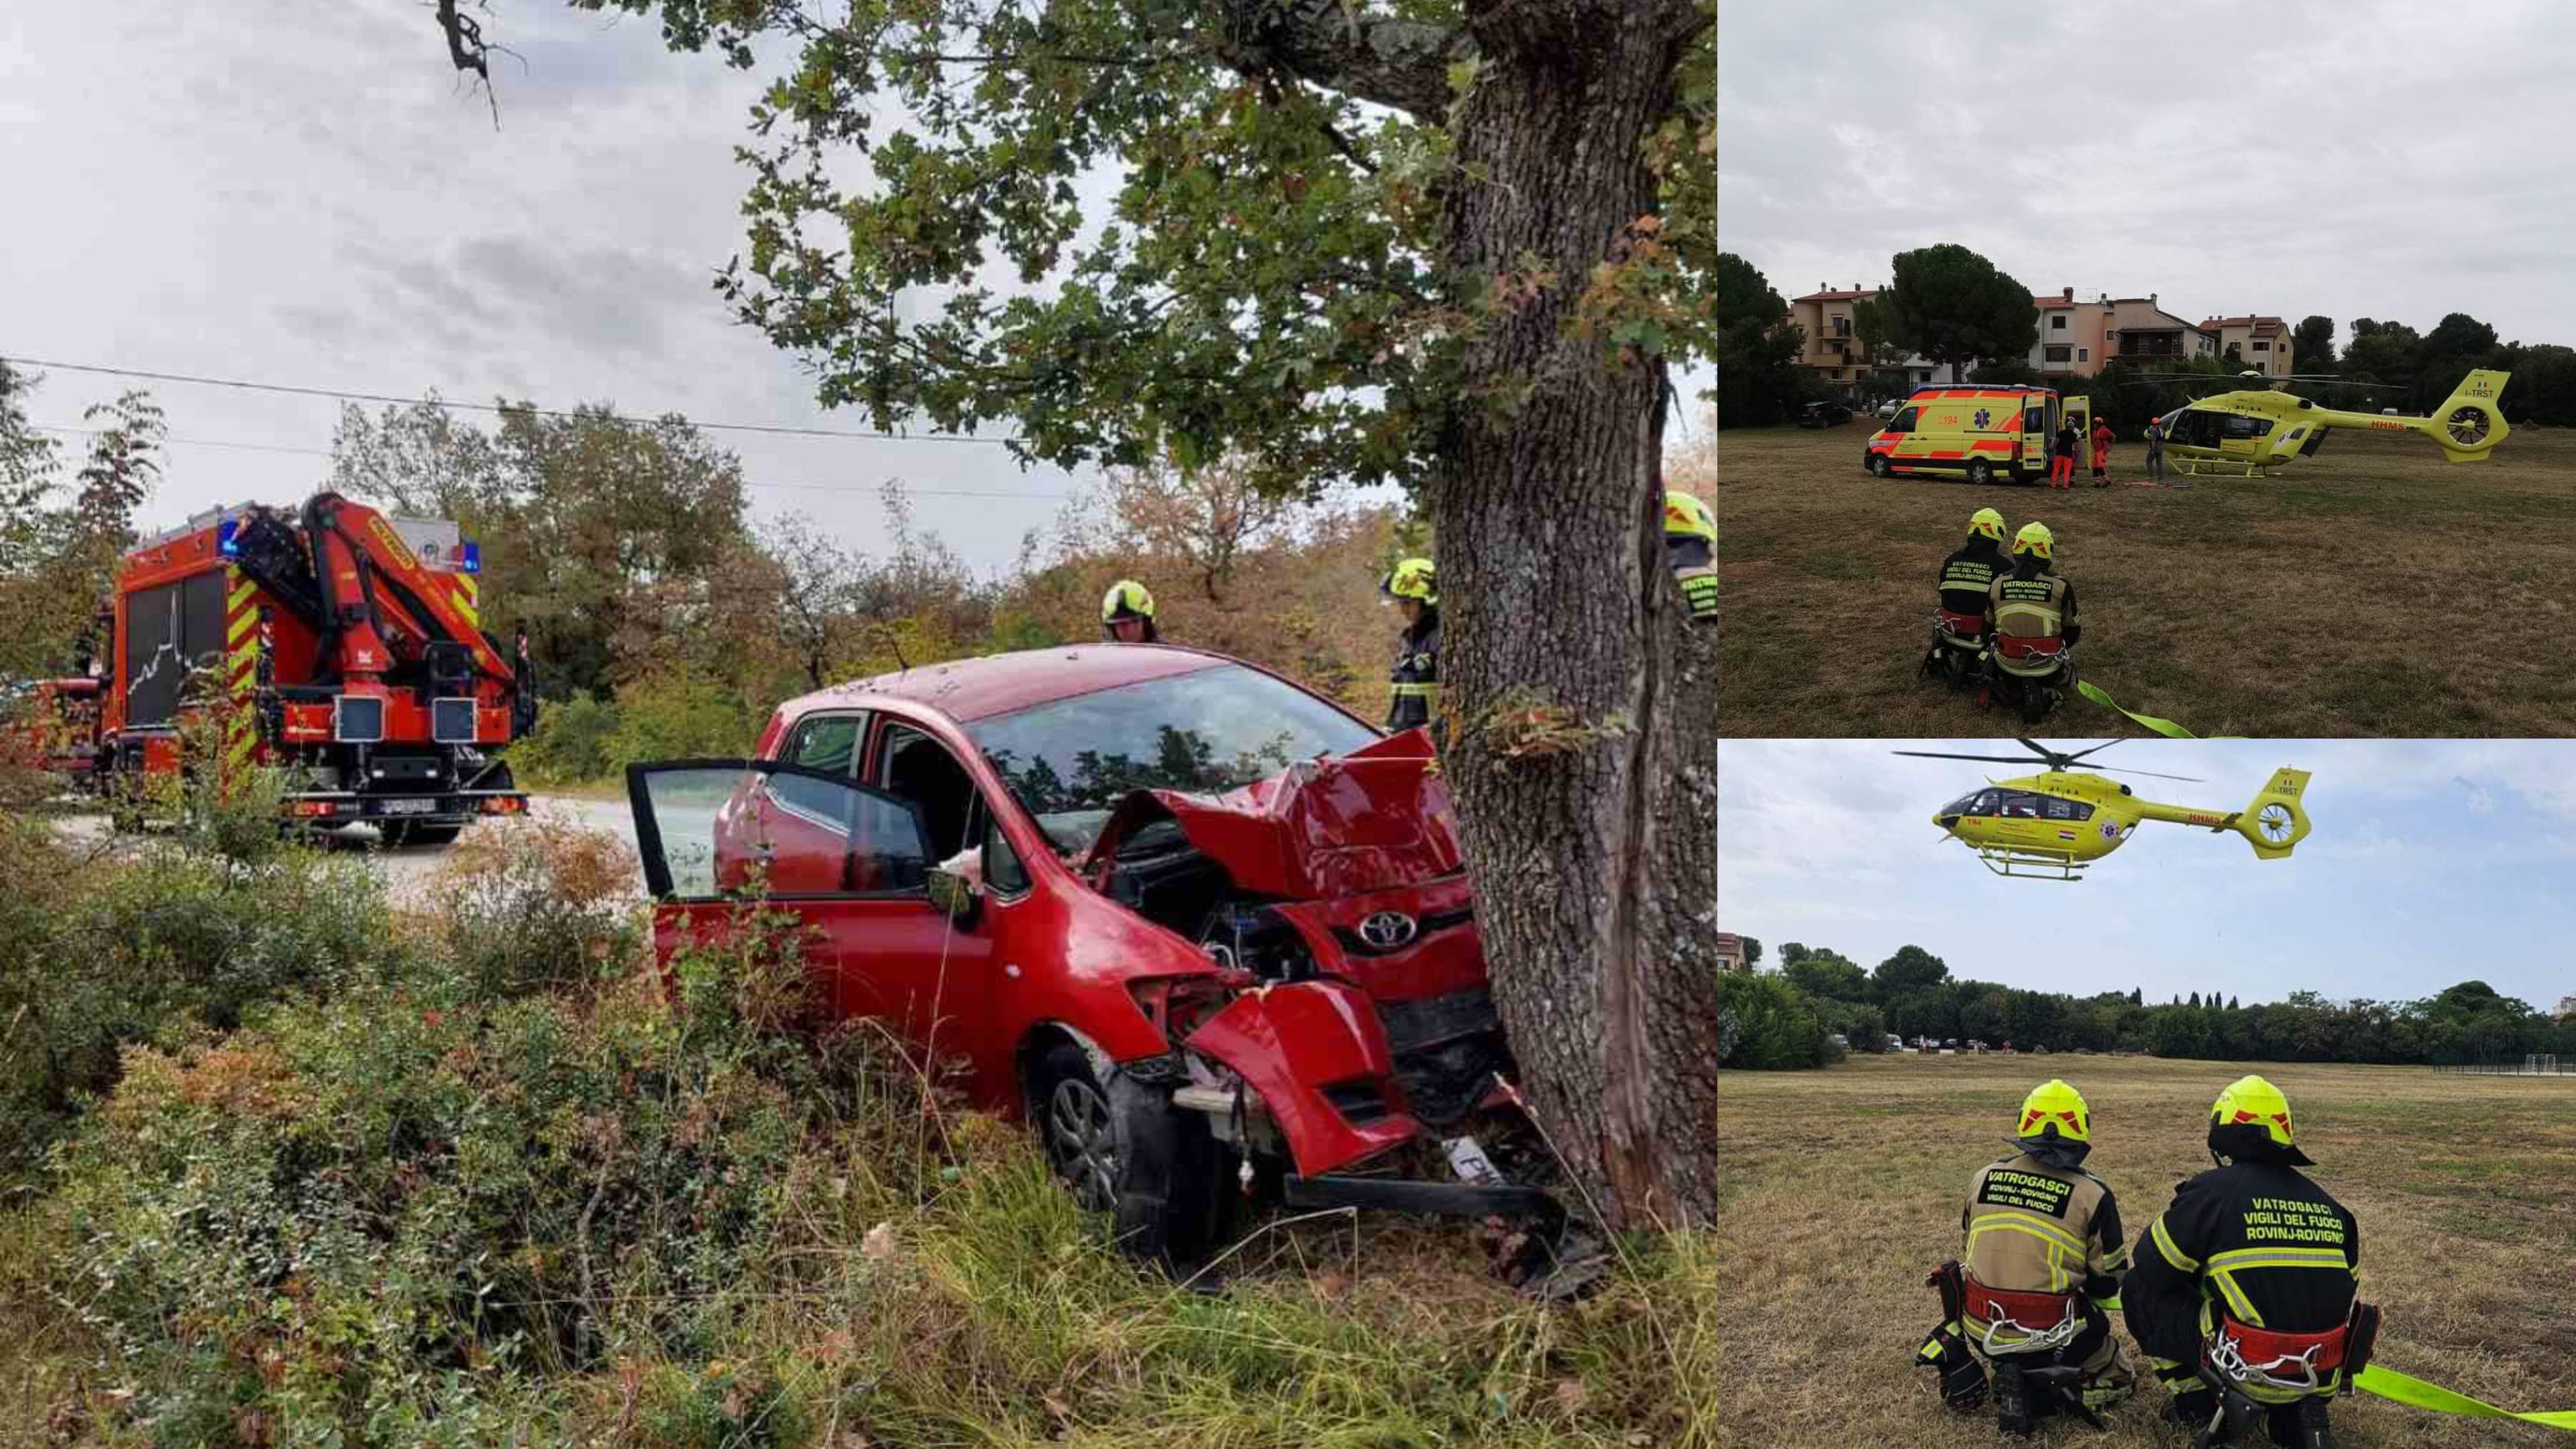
(1850, 1182)
(2325, 601)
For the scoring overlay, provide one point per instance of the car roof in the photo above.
(971, 689)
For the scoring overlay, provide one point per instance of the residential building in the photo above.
(1730, 952)
(2261, 343)
(2143, 334)
(2070, 335)
(1833, 349)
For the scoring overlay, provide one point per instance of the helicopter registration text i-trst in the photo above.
(2051, 826)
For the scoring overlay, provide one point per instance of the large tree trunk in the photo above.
(1554, 591)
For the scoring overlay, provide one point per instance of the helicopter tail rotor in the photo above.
(2274, 823)
(2469, 424)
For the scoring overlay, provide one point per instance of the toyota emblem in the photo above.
(1387, 930)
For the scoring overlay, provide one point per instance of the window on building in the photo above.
(1923, 375)
(2084, 354)
(2059, 353)
(1838, 374)
(2057, 323)
(1842, 326)
(2262, 346)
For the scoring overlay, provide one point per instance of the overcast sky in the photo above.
(2431, 862)
(2394, 160)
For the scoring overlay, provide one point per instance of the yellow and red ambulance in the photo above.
(1979, 433)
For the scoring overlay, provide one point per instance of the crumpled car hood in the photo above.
(1371, 820)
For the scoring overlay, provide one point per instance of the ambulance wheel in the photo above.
(1877, 465)
(1981, 472)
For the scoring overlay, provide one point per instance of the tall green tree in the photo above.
(583, 517)
(2312, 347)
(1911, 969)
(1757, 381)
(1456, 244)
(1956, 308)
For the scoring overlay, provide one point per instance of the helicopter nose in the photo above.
(1944, 822)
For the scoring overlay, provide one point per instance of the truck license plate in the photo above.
(410, 807)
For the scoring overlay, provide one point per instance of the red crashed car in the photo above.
(1184, 915)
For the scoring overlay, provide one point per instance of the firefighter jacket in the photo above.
(2035, 1226)
(2256, 1241)
(1416, 676)
(2032, 603)
(1968, 575)
(1695, 566)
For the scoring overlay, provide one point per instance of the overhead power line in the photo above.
(246, 385)
(909, 490)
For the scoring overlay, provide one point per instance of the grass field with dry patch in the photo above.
(2371, 590)
(1849, 1183)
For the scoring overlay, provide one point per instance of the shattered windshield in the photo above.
(1207, 732)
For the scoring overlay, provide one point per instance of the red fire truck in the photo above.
(333, 640)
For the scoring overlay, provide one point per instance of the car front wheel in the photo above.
(1121, 1148)
(1877, 465)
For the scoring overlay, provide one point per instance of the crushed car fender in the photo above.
(1317, 1057)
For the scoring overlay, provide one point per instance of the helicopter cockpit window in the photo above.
(1966, 804)
(2056, 808)
(2018, 805)
(1903, 422)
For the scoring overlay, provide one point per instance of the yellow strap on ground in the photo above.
(2406, 1389)
(2165, 727)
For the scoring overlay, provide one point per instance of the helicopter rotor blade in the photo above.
(2151, 774)
(2097, 749)
(1989, 759)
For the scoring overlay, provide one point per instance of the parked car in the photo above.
(1824, 415)
(1888, 408)
(1174, 910)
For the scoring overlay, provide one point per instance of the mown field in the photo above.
(1851, 1179)
(2371, 590)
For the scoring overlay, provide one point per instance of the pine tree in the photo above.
(2195, 1001)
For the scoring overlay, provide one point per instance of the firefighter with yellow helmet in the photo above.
(1413, 587)
(1127, 614)
(2242, 1294)
(2034, 1293)
(1690, 547)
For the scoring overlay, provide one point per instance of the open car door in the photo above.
(721, 837)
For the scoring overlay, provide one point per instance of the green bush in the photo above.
(677, 715)
(1775, 1031)
(569, 744)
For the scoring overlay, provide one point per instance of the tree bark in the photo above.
(1595, 865)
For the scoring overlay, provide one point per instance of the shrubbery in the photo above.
(1775, 1030)
(472, 1171)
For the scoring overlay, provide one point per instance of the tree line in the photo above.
(1788, 1017)
(1956, 308)
(666, 618)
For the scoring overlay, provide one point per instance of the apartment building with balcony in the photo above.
(1833, 351)
(2077, 338)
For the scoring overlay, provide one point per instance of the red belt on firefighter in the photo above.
(2029, 1312)
(2282, 1360)
(2029, 646)
(1966, 626)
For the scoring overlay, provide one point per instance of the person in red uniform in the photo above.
(2101, 453)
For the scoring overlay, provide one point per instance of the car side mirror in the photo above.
(955, 896)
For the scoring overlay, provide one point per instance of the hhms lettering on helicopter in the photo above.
(2053, 825)
(2258, 431)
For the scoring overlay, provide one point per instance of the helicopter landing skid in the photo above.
(2223, 468)
(2026, 864)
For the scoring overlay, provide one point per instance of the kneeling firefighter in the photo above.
(2041, 1278)
(2242, 1293)
(2030, 617)
(1967, 577)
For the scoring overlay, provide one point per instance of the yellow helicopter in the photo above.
(2258, 430)
(2051, 826)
